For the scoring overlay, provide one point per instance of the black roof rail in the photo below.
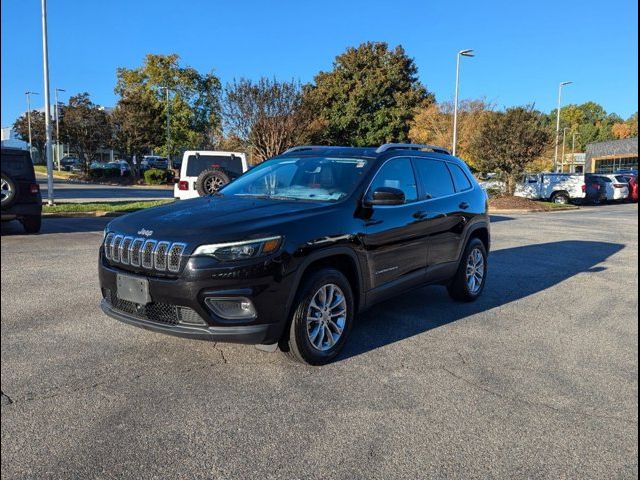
(411, 146)
(308, 147)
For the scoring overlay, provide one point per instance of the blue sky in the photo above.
(523, 48)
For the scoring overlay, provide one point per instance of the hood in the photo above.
(215, 219)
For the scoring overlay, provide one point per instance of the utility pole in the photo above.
(461, 53)
(47, 102)
(28, 94)
(58, 128)
(555, 158)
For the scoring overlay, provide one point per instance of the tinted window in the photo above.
(460, 180)
(197, 163)
(397, 173)
(321, 179)
(435, 177)
(16, 163)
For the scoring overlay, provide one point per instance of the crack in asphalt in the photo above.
(6, 400)
(535, 404)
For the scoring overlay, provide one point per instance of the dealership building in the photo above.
(609, 157)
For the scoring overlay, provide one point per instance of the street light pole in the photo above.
(461, 53)
(58, 128)
(166, 89)
(564, 138)
(555, 158)
(47, 102)
(28, 94)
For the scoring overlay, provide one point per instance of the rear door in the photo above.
(442, 209)
(394, 239)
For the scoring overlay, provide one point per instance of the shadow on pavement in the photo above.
(545, 265)
(500, 218)
(59, 225)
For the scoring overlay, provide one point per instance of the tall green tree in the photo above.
(510, 141)
(194, 99)
(137, 123)
(38, 135)
(588, 121)
(368, 98)
(85, 127)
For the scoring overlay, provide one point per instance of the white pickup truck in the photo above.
(554, 187)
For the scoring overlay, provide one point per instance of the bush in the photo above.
(155, 176)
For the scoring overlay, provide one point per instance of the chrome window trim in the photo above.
(417, 202)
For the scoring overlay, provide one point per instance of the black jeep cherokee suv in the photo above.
(289, 252)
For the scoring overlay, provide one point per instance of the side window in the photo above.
(460, 179)
(397, 173)
(435, 177)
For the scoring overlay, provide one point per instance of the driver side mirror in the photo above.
(385, 196)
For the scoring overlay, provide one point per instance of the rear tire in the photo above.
(462, 288)
(8, 192)
(32, 223)
(331, 329)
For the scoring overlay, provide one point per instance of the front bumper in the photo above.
(249, 334)
(269, 290)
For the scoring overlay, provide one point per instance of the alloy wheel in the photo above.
(326, 317)
(475, 270)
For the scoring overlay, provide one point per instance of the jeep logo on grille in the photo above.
(145, 232)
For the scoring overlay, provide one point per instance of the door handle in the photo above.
(464, 205)
(420, 215)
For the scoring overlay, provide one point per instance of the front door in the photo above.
(394, 240)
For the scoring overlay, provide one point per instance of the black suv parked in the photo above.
(20, 193)
(289, 252)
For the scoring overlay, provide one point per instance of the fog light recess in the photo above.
(231, 308)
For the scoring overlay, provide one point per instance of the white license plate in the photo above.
(133, 289)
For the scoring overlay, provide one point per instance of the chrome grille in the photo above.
(134, 253)
(160, 256)
(125, 252)
(139, 252)
(175, 256)
(147, 253)
(115, 248)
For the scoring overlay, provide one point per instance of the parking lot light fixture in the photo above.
(28, 94)
(461, 53)
(555, 158)
(57, 113)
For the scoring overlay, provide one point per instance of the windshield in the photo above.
(311, 178)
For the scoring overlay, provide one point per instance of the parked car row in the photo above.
(566, 188)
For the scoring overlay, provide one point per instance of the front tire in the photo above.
(322, 318)
(471, 276)
(561, 198)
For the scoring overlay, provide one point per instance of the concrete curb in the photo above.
(97, 214)
(492, 211)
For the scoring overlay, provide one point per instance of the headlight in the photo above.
(244, 250)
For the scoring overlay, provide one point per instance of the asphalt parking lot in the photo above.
(537, 379)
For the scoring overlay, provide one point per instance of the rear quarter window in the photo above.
(460, 179)
(196, 164)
